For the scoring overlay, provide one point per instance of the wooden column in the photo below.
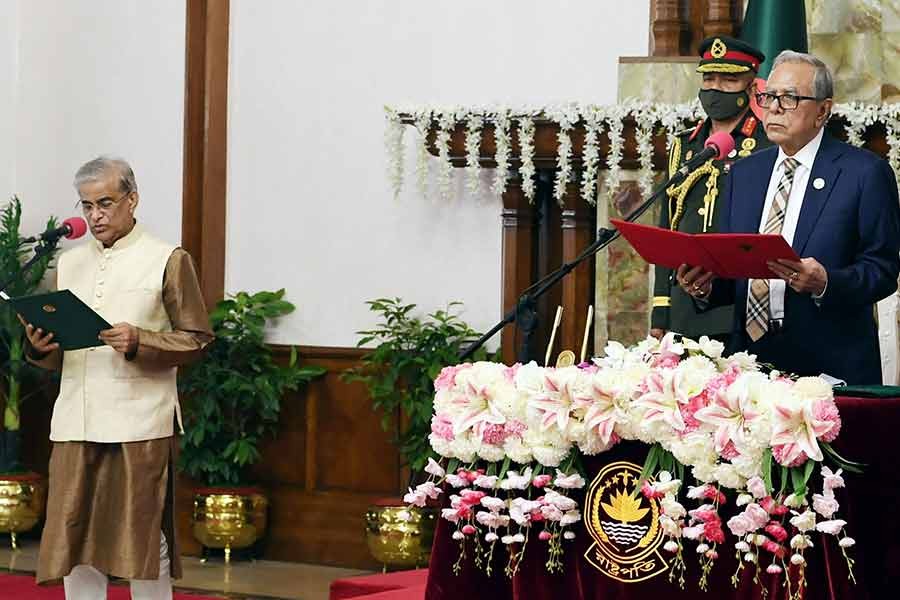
(205, 142)
(578, 231)
(718, 19)
(667, 27)
(519, 218)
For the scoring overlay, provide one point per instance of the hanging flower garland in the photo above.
(615, 120)
(593, 124)
(446, 123)
(422, 124)
(890, 114)
(859, 116)
(672, 117)
(526, 146)
(501, 157)
(474, 125)
(645, 116)
(566, 116)
(393, 141)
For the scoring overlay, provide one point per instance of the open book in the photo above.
(728, 255)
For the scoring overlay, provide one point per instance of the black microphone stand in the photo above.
(524, 313)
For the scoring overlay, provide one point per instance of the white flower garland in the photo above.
(423, 124)
(645, 116)
(672, 117)
(501, 157)
(526, 146)
(615, 120)
(393, 141)
(859, 116)
(473, 153)
(566, 116)
(446, 123)
(593, 123)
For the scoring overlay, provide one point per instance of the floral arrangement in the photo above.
(512, 437)
(650, 117)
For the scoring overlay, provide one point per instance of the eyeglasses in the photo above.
(105, 205)
(785, 101)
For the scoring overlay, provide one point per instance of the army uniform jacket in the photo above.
(692, 208)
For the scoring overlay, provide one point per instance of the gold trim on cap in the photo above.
(722, 68)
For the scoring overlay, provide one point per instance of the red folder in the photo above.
(728, 255)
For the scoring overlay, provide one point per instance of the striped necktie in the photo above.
(758, 302)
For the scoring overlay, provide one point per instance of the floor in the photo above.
(244, 580)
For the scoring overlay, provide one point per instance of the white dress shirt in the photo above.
(805, 157)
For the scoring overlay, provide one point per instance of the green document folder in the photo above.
(73, 323)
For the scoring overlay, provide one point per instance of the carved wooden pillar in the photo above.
(718, 19)
(578, 231)
(667, 27)
(519, 218)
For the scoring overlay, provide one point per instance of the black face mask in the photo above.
(721, 106)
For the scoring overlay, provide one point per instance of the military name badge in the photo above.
(624, 526)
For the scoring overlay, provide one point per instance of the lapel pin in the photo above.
(818, 183)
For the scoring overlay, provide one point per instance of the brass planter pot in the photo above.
(399, 536)
(22, 502)
(229, 517)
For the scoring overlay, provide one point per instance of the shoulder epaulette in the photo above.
(750, 126)
(696, 130)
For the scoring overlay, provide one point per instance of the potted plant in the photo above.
(21, 493)
(399, 374)
(233, 401)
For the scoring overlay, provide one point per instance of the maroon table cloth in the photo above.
(870, 434)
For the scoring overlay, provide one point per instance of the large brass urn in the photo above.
(229, 517)
(22, 501)
(400, 536)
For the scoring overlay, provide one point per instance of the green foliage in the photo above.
(234, 393)
(13, 254)
(400, 372)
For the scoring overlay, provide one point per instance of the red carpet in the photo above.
(402, 585)
(22, 587)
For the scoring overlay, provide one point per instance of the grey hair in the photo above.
(823, 82)
(103, 166)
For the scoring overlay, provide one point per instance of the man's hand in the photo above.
(123, 337)
(41, 342)
(695, 281)
(805, 277)
(658, 333)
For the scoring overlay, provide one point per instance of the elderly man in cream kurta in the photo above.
(109, 509)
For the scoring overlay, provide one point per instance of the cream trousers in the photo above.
(87, 583)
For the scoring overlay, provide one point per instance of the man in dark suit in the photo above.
(838, 208)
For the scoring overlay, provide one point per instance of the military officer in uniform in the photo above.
(728, 67)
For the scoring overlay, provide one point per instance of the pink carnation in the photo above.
(494, 434)
(447, 378)
(776, 531)
(712, 530)
(827, 410)
(729, 452)
(442, 427)
(687, 412)
(667, 361)
(514, 427)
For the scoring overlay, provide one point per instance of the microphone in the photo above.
(717, 146)
(71, 228)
